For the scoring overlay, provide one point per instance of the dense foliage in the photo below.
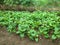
(32, 24)
(32, 2)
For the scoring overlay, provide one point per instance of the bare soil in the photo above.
(7, 38)
(28, 8)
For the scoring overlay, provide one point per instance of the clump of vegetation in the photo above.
(32, 24)
(31, 2)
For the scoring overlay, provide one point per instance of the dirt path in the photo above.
(13, 39)
(29, 8)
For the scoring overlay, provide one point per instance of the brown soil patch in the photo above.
(12, 39)
(29, 8)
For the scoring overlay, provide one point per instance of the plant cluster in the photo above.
(32, 24)
(31, 2)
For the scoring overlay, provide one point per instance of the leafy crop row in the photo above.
(32, 25)
(31, 2)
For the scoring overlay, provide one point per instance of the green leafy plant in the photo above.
(47, 3)
(32, 24)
